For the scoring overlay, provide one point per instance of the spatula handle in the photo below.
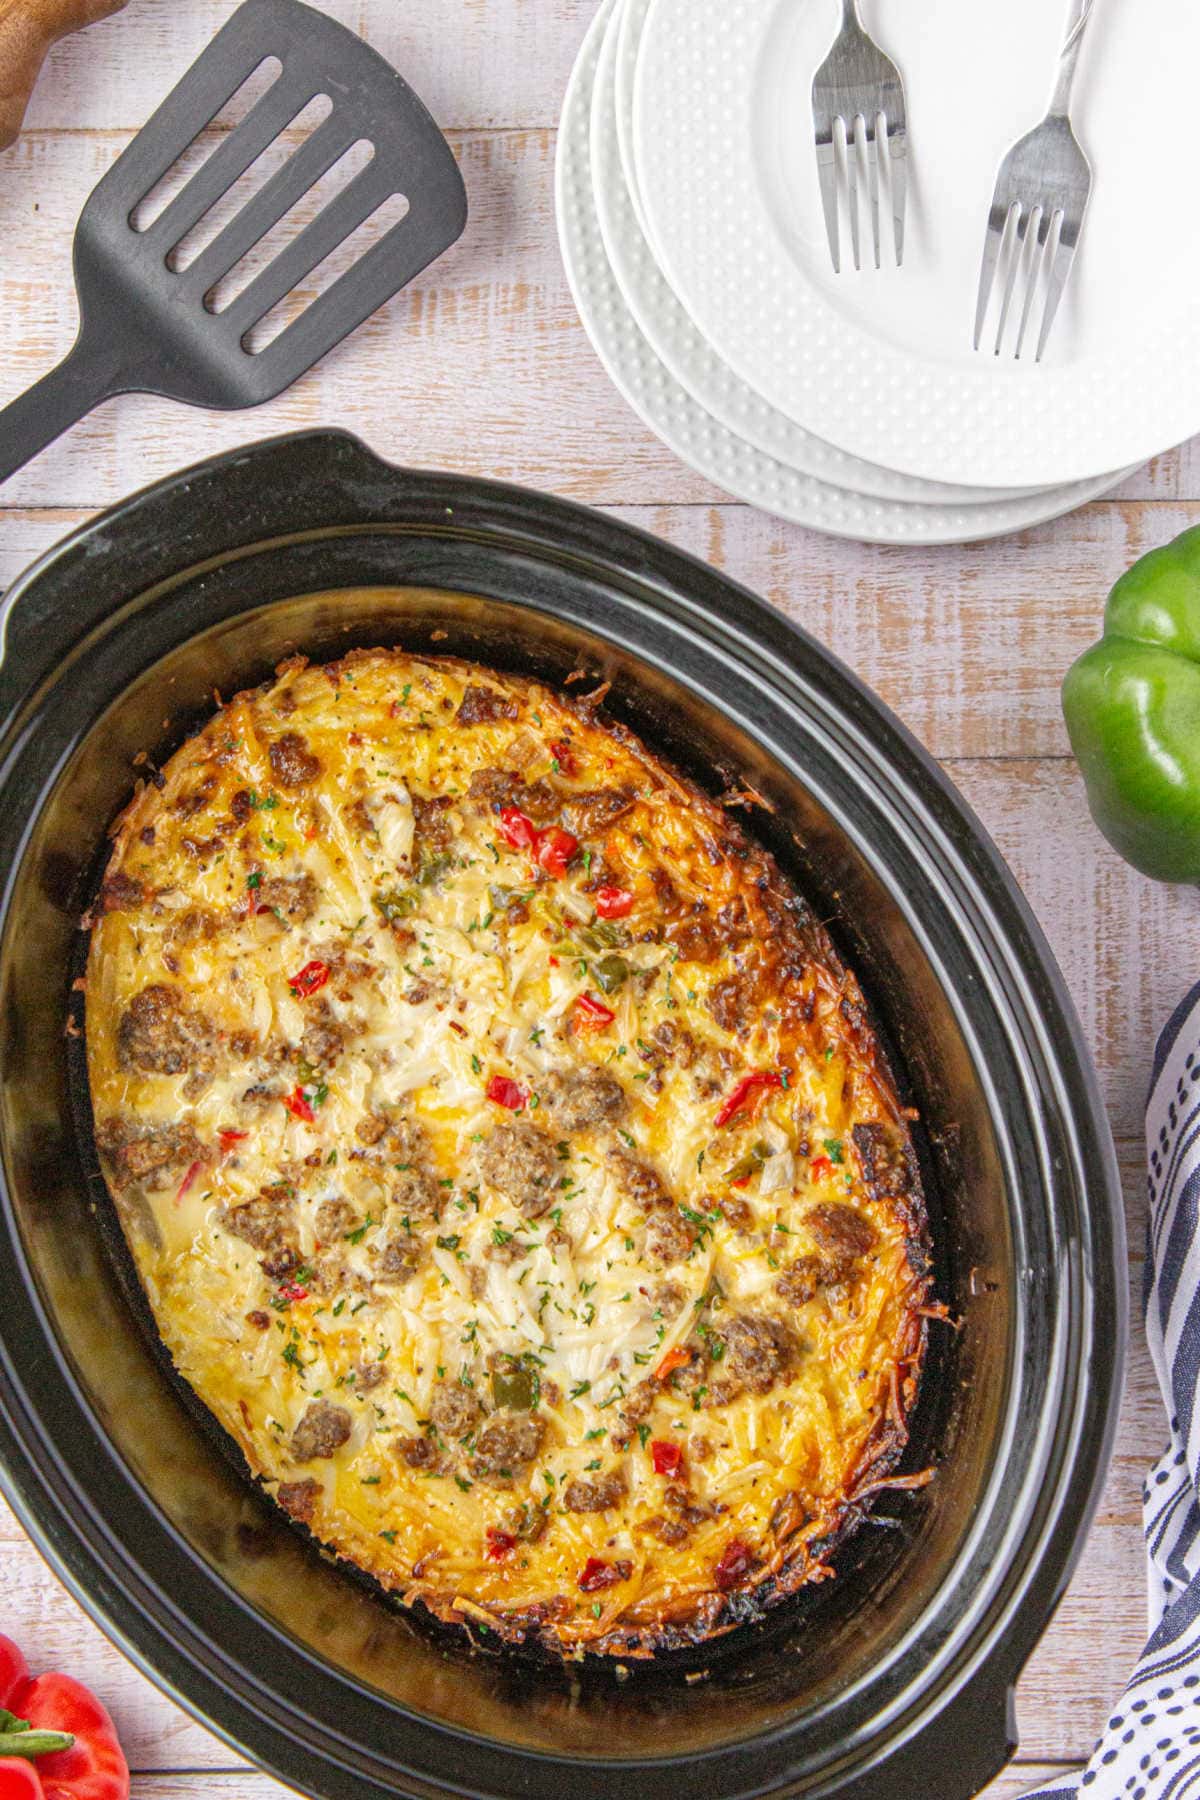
(27, 30)
(60, 399)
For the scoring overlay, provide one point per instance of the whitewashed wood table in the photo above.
(482, 366)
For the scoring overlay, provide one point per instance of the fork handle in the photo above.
(1069, 60)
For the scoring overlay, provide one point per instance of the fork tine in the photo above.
(1039, 220)
(870, 149)
(1015, 228)
(897, 145)
(997, 229)
(827, 176)
(849, 137)
(1063, 256)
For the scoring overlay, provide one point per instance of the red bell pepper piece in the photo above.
(613, 902)
(297, 1103)
(554, 850)
(310, 980)
(563, 756)
(54, 1731)
(229, 1138)
(499, 1544)
(291, 1290)
(551, 849)
(187, 1181)
(592, 1014)
(735, 1563)
(597, 1574)
(677, 1358)
(517, 828)
(666, 1457)
(504, 1091)
(747, 1097)
(820, 1168)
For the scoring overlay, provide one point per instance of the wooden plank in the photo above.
(1128, 947)
(927, 629)
(480, 65)
(1020, 1777)
(480, 365)
(1175, 475)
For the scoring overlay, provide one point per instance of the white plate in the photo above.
(691, 432)
(881, 362)
(673, 334)
(628, 20)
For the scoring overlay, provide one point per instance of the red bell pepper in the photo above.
(747, 1097)
(56, 1740)
(499, 1544)
(554, 850)
(298, 1104)
(517, 828)
(188, 1180)
(597, 1574)
(19, 1780)
(735, 1564)
(551, 849)
(677, 1358)
(563, 756)
(504, 1091)
(820, 1168)
(666, 1457)
(592, 1014)
(228, 1138)
(613, 902)
(310, 980)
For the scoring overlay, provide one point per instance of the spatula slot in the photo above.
(328, 272)
(336, 179)
(277, 153)
(238, 107)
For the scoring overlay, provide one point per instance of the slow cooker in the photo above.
(895, 1679)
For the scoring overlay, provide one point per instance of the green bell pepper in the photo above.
(1132, 706)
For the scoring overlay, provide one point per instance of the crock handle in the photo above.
(259, 489)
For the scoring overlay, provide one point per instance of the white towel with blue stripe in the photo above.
(1150, 1748)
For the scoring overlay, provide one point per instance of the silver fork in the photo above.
(1038, 207)
(857, 95)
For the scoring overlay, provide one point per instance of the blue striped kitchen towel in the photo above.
(1150, 1748)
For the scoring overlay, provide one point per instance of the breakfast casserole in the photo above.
(507, 1157)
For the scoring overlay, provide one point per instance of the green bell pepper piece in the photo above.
(611, 973)
(1132, 706)
(516, 1383)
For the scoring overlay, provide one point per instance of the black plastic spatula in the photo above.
(148, 326)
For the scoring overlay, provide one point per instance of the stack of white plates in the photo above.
(690, 223)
